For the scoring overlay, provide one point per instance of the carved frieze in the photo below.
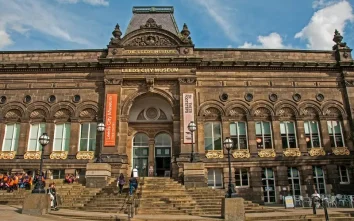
(317, 151)
(151, 23)
(85, 155)
(292, 152)
(187, 80)
(214, 154)
(59, 155)
(150, 40)
(32, 155)
(7, 155)
(241, 154)
(266, 153)
(340, 151)
(112, 81)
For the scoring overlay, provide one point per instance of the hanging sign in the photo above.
(188, 116)
(111, 120)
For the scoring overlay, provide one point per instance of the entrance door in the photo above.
(141, 153)
(163, 155)
(268, 185)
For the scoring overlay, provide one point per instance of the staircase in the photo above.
(15, 198)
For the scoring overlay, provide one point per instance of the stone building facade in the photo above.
(289, 112)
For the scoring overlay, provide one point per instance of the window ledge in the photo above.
(292, 152)
(33, 155)
(317, 151)
(242, 187)
(59, 155)
(7, 155)
(344, 183)
(340, 151)
(266, 153)
(241, 154)
(85, 155)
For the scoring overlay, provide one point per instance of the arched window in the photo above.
(163, 140)
(141, 140)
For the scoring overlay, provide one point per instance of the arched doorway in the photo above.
(163, 144)
(141, 153)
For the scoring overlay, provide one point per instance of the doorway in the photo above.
(163, 155)
(141, 153)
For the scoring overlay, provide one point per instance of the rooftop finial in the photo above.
(185, 34)
(116, 36)
(337, 37)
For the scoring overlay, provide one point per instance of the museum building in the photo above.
(288, 112)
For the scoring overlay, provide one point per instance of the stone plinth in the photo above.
(97, 174)
(233, 209)
(36, 204)
(194, 175)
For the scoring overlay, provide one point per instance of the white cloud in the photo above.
(319, 31)
(222, 15)
(24, 17)
(318, 4)
(91, 2)
(271, 41)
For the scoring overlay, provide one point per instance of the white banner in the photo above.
(188, 116)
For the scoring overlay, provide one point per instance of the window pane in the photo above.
(258, 128)
(59, 131)
(233, 130)
(83, 145)
(291, 127)
(9, 131)
(32, 145)
(329, 126)
(34, 131)
(217, 144)
(306, 125)
(282, 128)
(217, 130)
(266, 126)
(314, 128)
(208, 143)
(57, 144)
(93, 130)
(7, 145)
(92, 144)
(242, 128)
(208, 129)
(84, 130)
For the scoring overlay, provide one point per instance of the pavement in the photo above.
(13, 213)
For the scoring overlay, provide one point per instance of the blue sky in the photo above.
(87, 24)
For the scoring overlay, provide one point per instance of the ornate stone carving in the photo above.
(235, 112)
(262, 112)
(266, 153)
(33, 155)
(37, 114)
(88, 113)
(150, 84)
(241, 154)
(151, 23)
(317, 151)
(212, 112)
(7, 155)
(112, 81)
(13, 115)
(62, 114)
(187, 80)
(150, 40)
(309, 111)
(333, 112)
(218, 154)
(85, 155)
(116, 40)
(286, 112)
(57, 155)
(292, 152)
(340, 151)
(185, 38)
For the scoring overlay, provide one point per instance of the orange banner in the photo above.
(111, 120)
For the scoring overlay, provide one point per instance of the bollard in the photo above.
(313, 206)
(325, 205)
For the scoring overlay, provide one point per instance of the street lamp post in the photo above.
(39, 186)
(228, 144)
(100, 129)
(192, 127)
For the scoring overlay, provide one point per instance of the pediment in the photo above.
(150, 39)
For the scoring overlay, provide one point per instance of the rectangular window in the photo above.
(241, 177)
(58, 174)
(215, 179)
(61, 137)
(335, 133)
(264, 135)
(12, 133)
(88, 136)
(238, 133)
(319, 179)
(294, 181)
(312, 134)
(288, 134)
(36, 130)
(343, 175)
(212, 136)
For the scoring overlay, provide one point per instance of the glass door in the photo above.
(163, 155)
(141, 154)
(268, 182)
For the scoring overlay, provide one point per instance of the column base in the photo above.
(36, 204)
(233, 209)
(194, 175)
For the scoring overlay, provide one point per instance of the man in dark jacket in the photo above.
(133, 183)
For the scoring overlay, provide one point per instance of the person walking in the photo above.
(121, 182)
(133, 183)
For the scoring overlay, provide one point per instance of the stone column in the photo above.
(332, 179)
(282, 182)
(226, 177)
(256, 184)
(151, 153)
(307, 180)
(251, 132)
(300, 135)
(2, 134)
(74, 138)
(200, 136)
(225, 124)
(326, 143)
(276, 136)
(194, 175)
(23, 138)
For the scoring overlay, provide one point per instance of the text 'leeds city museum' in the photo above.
(288, 112)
